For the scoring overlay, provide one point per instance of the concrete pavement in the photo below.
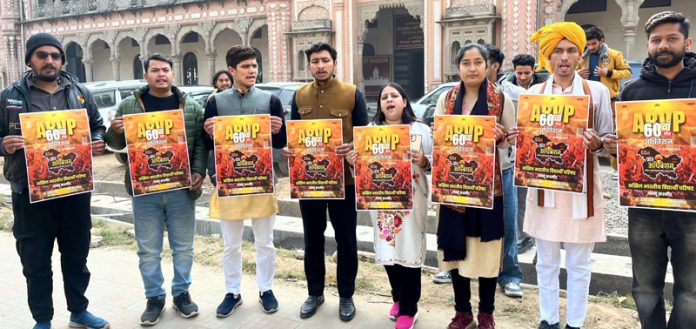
(116, 293)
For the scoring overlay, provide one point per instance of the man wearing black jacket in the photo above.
(668, 72)
(67, 219)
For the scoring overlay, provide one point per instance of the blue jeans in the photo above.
(511, 272)
(650, 234)
(152, 213)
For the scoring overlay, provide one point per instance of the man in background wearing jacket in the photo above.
(67, 219)
(669, 72)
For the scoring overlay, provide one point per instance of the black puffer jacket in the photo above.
(651, 85)
(15, 99)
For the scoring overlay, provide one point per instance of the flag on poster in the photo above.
(243, 155)
(58, 153)
(383, 168)
(157, 151)
(550, 150)
(316, 171)
(464, 156)
(657, 145)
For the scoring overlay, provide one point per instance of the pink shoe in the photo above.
(406, 322)
(394, 311)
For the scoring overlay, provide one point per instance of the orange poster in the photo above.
(157, 151)
(316, 171)
(383, 168)
(243, 155)
(657, 153)
(58, 152)
(550, 151)
(464, 160)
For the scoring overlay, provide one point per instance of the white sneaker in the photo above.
(512, 289)
(442, 277)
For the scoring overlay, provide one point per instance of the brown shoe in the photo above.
(462, 320)
(485, 321)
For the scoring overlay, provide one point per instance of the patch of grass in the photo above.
(363, 283)
(616, 300)
(113, 235)
(290, 275)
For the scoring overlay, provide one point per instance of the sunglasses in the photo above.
(43, 55)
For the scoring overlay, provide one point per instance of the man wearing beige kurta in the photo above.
(563, 217)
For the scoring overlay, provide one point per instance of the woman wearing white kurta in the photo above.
(400, 235)
(554, 217)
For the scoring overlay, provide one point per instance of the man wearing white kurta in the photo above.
(563, 217)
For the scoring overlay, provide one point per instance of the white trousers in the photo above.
(579, 269)
(232, 231)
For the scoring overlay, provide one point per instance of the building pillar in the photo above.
(279, 23)
(211, 66)
(629, 40)
(116, 67)
(88, 69)
(176, 59)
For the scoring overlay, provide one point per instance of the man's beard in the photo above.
(47, 78)
(673, 61)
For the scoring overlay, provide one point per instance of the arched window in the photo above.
(190, 69)
(74, 61)
(259, 62)
(137, 68)
(368, 49)
(481, 41)
(301, 63)
(456, 46)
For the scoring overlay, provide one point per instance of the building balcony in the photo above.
(470, 9)
(64, 8)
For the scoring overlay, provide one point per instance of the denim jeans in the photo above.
(173, 210)
(511, 268)
(650, 234)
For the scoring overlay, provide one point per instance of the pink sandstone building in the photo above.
(412, 42)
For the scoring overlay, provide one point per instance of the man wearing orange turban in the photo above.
(555, 217)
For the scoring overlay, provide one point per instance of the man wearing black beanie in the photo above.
(67, 219)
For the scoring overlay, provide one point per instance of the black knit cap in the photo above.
(39, 40)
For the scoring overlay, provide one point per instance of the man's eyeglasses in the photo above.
(43, 55)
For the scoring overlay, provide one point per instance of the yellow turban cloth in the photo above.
(550, 35)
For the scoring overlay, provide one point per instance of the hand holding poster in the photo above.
(656, 150)
(550, 150)
(316, 171)
(58, 153)
(383, 168)
(464, 160)
(243, 155)
(157, 151)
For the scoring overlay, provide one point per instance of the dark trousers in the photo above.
(343, 219)
(650, 234)
(462, 293)
(405, 287)
(36, 227)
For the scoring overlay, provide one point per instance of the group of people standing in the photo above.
(473, 243)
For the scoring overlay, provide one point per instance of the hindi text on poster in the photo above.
(157, 151)
(316, 171)
(464, 156)
(243, 155)
(383, 168)
(550, 150)
(58, 153)
(656, 153)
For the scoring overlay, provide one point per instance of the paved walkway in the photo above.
(116, 293)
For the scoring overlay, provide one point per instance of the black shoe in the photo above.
(346, 309)
(569, 327)
(524, 244)
(155, 306)
(546, 325)
(228, 305)
(185, 306)
(310, 306)
(268, 301)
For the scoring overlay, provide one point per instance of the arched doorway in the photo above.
(259, 41)
(102, 68)
(74, 65)
(190, 69)
(137, 68)
(395, 53)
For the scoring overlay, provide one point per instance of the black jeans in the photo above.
(405, 287)
(650, 234)
(462, 293)
(343, 219)
(36, 227)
